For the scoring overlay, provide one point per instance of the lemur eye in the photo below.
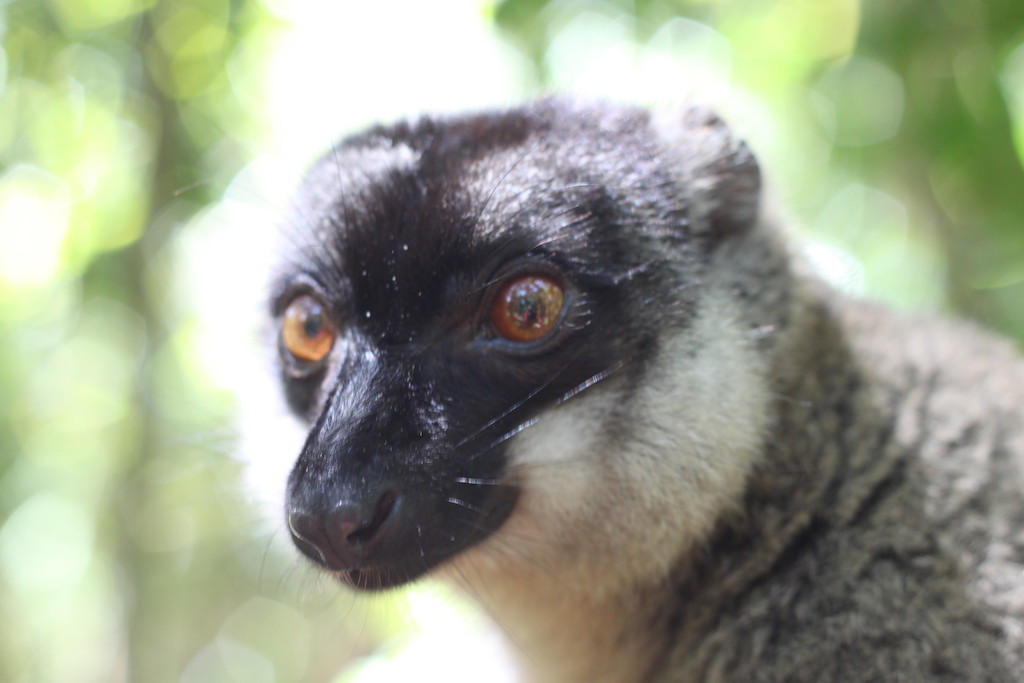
(527, 308)
(307, 332)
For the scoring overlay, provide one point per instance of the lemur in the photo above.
(562, 356)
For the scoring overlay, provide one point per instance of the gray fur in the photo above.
(795, 486)
(880, 538)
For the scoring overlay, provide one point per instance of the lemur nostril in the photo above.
(368, 528)
(344, 537)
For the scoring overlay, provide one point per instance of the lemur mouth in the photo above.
(372, 579)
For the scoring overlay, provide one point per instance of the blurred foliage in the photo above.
(127, 549)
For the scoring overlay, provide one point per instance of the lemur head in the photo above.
(511, 343)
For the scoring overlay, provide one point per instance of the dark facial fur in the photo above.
(406, 234)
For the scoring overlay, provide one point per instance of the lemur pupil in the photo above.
(312, 324)
(528, 312)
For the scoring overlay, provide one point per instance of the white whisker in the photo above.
(476, 482)
(599, 377)
(462, 503)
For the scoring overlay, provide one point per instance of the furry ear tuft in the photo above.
(718, 173)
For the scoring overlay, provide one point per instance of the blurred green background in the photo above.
(145, 146)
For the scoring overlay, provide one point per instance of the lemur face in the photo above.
(454, 284)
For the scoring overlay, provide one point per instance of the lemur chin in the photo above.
(560, 356)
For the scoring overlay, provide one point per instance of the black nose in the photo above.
(346, 535)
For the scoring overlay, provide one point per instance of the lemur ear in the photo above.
(718, 173)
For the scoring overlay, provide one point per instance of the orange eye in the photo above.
(307, 332)
(528, 308)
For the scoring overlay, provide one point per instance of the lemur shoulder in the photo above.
(561, 356)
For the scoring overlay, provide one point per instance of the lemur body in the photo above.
(559, 356)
